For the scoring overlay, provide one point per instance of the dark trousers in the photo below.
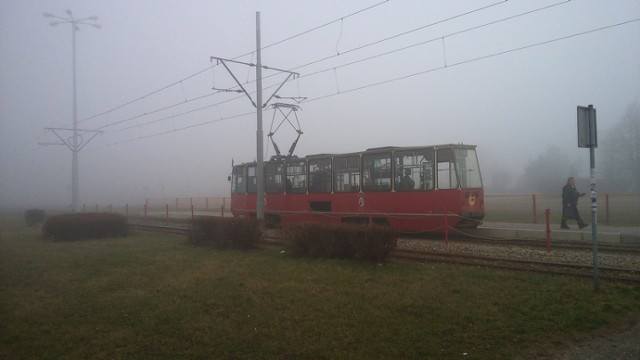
(571, 213)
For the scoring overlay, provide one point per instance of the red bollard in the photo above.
(446, 228)
(546, 218)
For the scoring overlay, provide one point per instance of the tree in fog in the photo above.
(547, 173)
(621, 152)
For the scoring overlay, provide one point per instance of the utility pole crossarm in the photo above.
(64, 142)
(278, 89)
(238, 82)
(82, 145)
(67, 129)
(73, 145)
(224, 61)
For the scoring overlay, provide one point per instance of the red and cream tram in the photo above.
(412, 189)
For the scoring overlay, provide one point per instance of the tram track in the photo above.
(555, 245)
(407, 251)
(547, 267)
(166, 229)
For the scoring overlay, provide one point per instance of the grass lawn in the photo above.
(151, 296)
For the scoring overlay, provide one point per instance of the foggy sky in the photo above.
(486, 86)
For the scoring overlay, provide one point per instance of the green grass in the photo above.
(151, 296)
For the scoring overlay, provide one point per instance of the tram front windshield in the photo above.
(468, 168)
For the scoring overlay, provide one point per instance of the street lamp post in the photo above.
(75, 145)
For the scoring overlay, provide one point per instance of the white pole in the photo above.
(75, 180)
(259, 132)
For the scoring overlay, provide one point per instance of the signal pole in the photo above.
(75, 143)
(259, 131)
(588, 138)
(259, 105)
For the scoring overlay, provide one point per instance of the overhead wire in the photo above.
(146, 95)
(548, 41)
(420, 43)
(326, 24)
(165, 132)
(339, 92)
(237, 57)
(471, 60)
(178, 115)
(379, 41)
(322, 59)
(145, 113)
(385, 81)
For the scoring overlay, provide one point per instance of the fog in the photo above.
(504, 75)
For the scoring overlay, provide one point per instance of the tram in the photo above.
(412, 189)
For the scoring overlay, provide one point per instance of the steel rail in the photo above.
(556, 268)
(160, 228)
(564, 245)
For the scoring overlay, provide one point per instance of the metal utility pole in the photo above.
(259, 131)
(75, 143)
(588, 138)
(259, 105)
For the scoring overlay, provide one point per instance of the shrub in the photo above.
(71, 227)
(34, 216)
(224, 233)
(369, 243)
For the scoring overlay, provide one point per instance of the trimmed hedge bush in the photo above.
(362, 242)
(34, 216)
(70, 227)
(224, 233)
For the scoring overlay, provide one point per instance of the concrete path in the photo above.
(605, 234)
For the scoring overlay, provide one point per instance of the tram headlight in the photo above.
(472, 198)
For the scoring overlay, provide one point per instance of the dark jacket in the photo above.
(570, 195)
(570, 203)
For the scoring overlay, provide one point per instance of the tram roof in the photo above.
(369, 150)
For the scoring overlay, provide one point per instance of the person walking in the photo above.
(570, 211)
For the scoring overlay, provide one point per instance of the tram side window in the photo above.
(238, 180)
(296, 177)
(275, 178)
(346, 174)
(320, 175)
(414, 170)
(447, 172)
(468, 168)
(376, 172)
(252, 184)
